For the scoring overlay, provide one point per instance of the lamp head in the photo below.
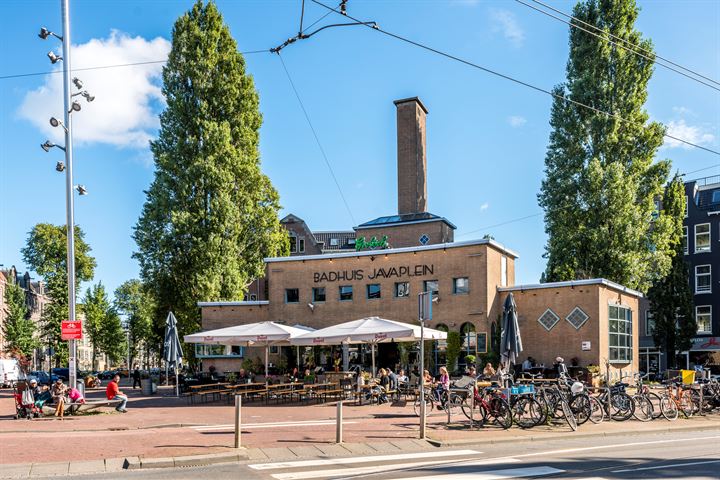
(53, 58)
(47, 145)
(75, 107)
(81, 190)
(54, 121)
(44, 33)
(78, 83)
(88, 97)
(60, 167)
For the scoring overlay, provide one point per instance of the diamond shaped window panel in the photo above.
(424, 239)
(577, 318)
(548, 319)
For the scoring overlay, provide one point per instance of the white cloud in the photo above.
(516, 121)
(124, 112)
(505, 22)
(484, 206)
(682, 110)
(691, 133)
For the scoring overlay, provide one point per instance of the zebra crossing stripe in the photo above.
(368, 459)
(493, 474)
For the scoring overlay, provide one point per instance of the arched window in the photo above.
(467, 330)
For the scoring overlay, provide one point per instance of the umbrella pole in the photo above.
(267, 350)
(297, 349)
(372, 347)
(177, 384)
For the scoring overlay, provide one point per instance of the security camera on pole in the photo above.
(70, 106)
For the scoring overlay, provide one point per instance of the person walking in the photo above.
(137, 378)
(112, 392)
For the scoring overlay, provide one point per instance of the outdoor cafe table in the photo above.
(247, 389)
(282, 390)
(206, 389)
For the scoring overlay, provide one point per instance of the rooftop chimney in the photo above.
(411, 158)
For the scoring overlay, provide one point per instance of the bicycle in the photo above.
(621, 406)
(447, 401)
(647, 403)
(676, 399)
(480, 407)
(557, 406)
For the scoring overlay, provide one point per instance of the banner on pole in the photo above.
(71, 330)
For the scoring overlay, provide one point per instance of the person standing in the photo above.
(137, 378)
(113, 393)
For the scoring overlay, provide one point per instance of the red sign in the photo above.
(71, 330)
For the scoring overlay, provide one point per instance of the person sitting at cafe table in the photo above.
(488, 371)
(401, 377)
(471, 372)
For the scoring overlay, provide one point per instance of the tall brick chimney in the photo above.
(411, 156)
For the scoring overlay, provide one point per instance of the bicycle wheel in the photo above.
(477, 413)
(597, 414)
(706, 404)
(654, 399)
(527, 412)
(643, 409)
(453, 403)
(429, 404)
(568, 414)
(580, 406)
(668, 408)
(500, 410)
(687, 406)
(621, 407)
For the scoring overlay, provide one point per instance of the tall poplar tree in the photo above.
(134, 301)
(18, 328)
(210, 216)
(95, 306)
(671, 300)
(46, 254)
(601, 179)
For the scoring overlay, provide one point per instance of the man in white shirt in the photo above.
(527, 364)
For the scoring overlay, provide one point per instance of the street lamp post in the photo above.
(424, 313)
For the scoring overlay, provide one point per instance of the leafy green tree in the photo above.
(600, 179)
(18, 329)
(452, 353)
(95, 307)
(210, 215)
(133, 301)
(671, 300)
(46, 254)
(113, 337)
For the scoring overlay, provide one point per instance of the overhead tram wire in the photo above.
(515, 80)
(632, 49)
(102, 67)
(317, 139)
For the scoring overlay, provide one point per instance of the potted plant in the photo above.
(470, 360)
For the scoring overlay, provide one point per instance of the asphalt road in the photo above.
(687, 455)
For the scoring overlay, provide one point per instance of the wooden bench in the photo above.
(73, 408)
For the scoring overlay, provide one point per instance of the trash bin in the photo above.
(147, 387)
(688, 376)
(81, 387)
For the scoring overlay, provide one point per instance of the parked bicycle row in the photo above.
(531, 401)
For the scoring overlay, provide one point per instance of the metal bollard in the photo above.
(609, 404)
(422, 415)
(702, 413)
(339, 423)
(472, 406)
(238, 404)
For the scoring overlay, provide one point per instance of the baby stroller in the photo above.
(25, 401)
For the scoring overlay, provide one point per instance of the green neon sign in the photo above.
(361, 243)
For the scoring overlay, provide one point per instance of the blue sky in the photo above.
(486, 136)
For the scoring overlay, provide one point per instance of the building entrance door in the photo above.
(387, 355)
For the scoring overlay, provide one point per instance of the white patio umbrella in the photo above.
(251, 334)
(370, 330)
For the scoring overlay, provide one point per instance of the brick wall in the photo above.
(408, 235)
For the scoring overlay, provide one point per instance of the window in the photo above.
(292, 295)
(703, 279)
(334, 242)
(577, 318)
(293, 244)
(687, 204)
(431, 286)
(703, 317)
(202, 351)
(402, 289)
(373, 290)
(301, 245)
(716, 196)
(461, 286)
(346, 293)
(503, 271)
(620, 322)
(702, 238)
(548, 319)
(685, 240)
(319, 294)
(467, 330)
(649, 323)
(236, 350)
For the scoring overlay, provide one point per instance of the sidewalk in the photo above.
(158, 430)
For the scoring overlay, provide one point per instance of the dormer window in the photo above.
(716, 196)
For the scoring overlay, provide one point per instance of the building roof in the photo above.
(391, 251)
(234, 304)
(572, 283)
(405, 218)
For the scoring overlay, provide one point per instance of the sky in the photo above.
(486, 136)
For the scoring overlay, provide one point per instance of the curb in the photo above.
(135, 463)
(564, 436)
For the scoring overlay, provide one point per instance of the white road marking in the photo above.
(494, 474)
(348, 472)
(367, 459)
(665, 466)
(305, 423)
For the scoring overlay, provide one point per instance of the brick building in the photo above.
(389, 260)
